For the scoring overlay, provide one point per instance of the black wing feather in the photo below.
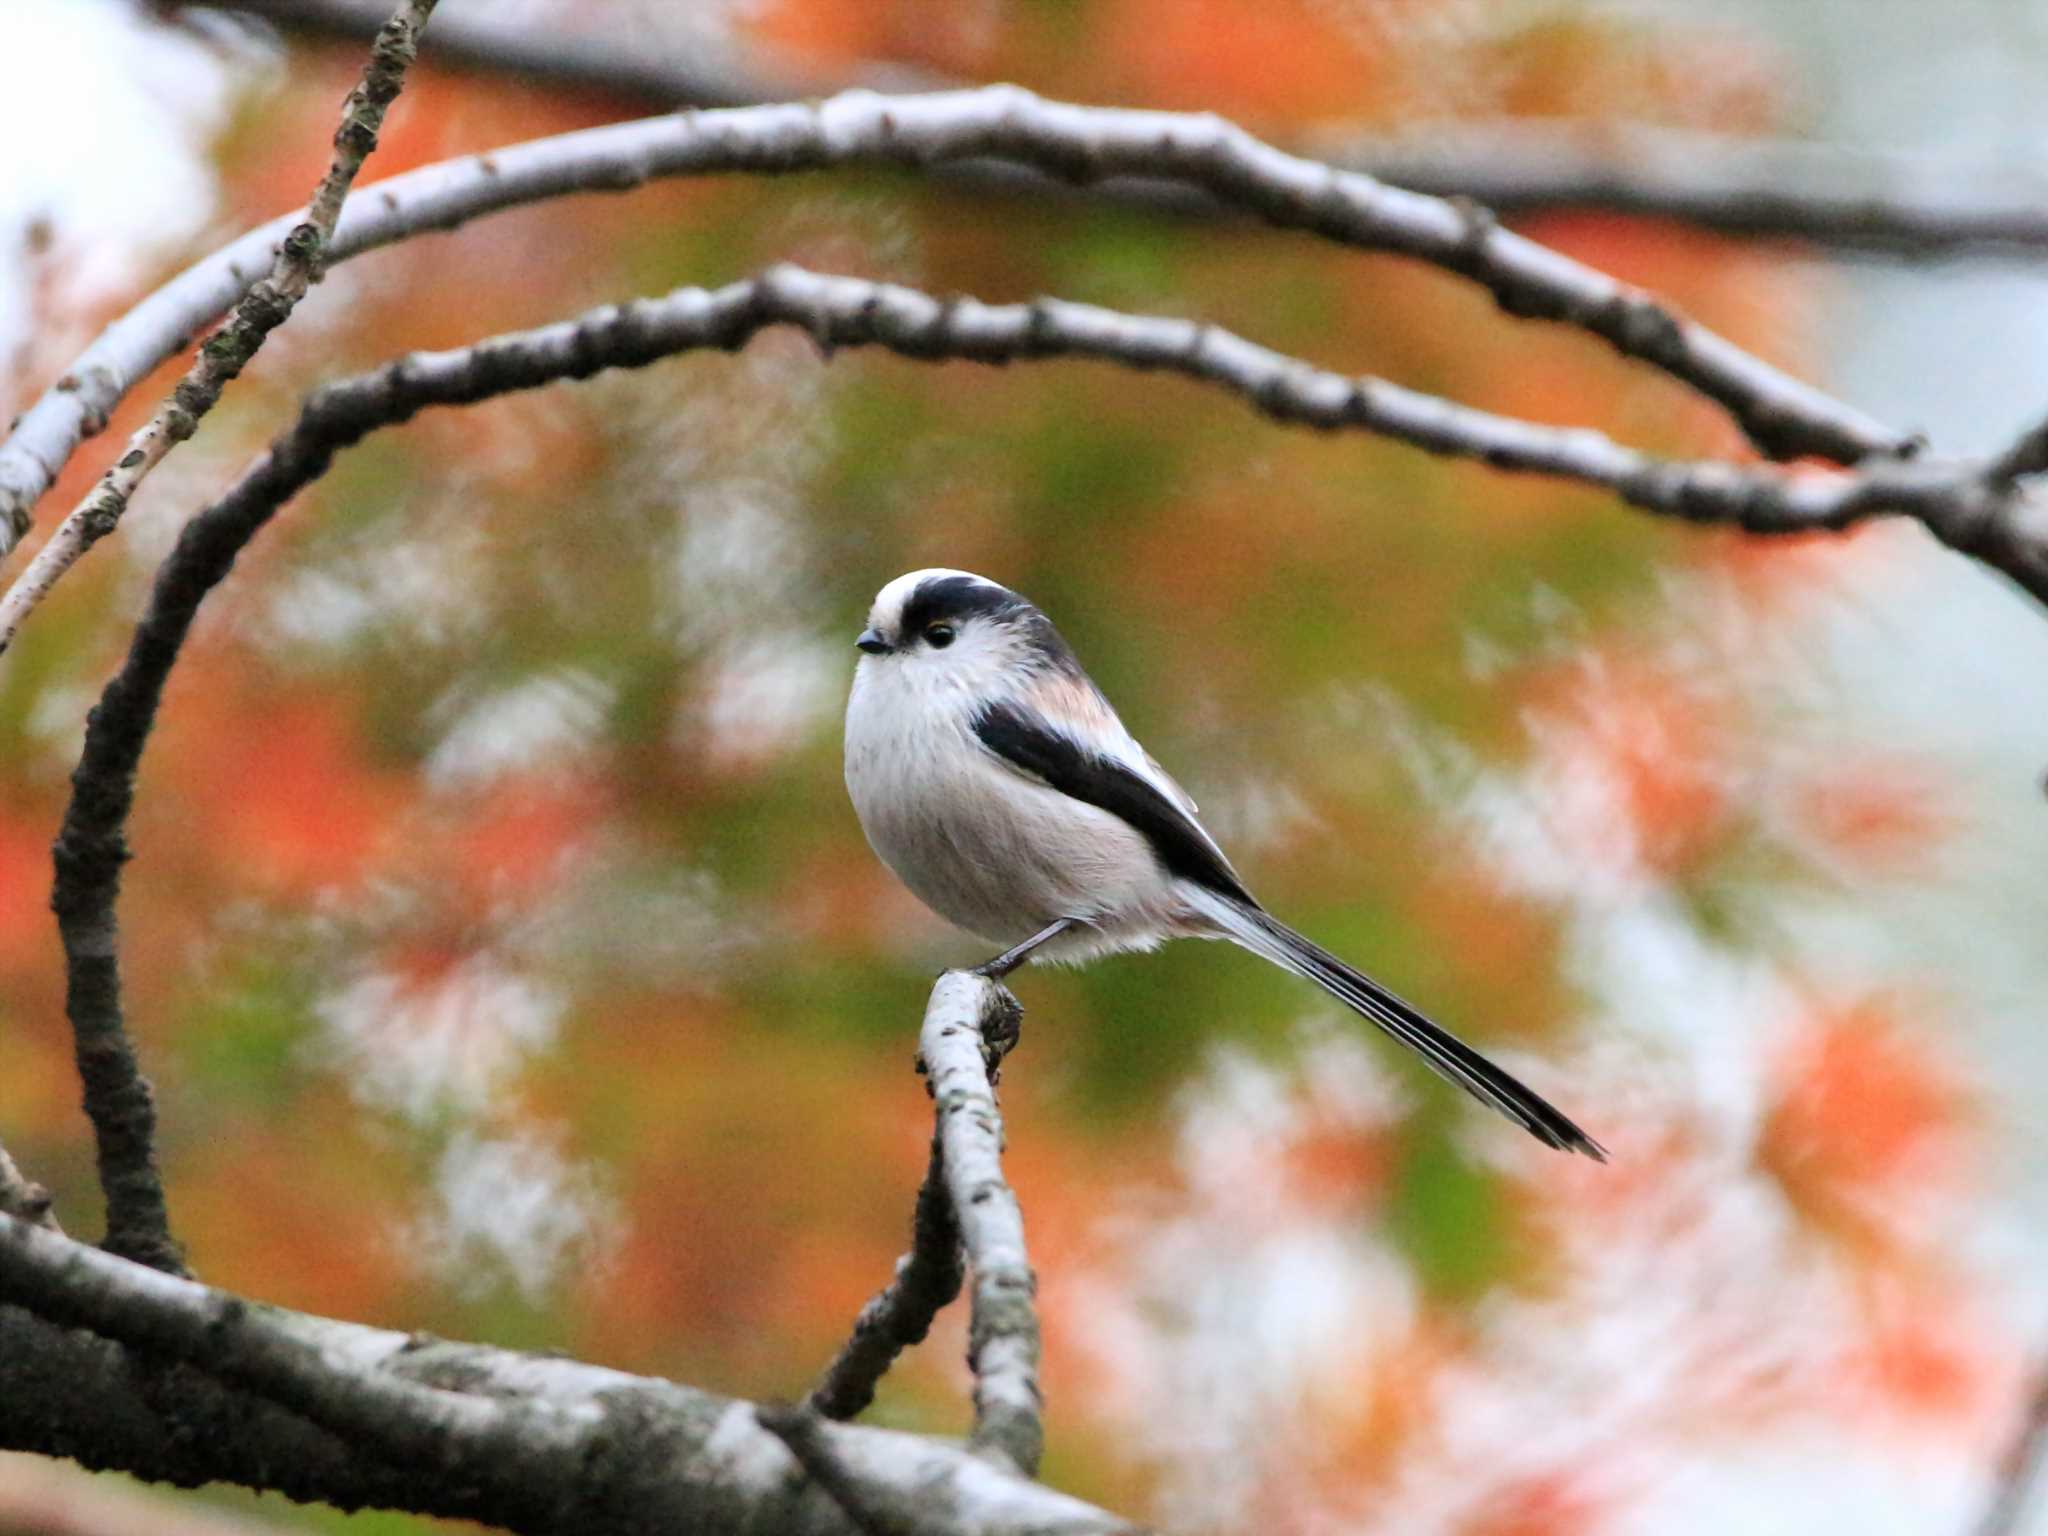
(1024, 740)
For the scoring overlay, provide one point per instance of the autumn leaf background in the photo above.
(510, 965)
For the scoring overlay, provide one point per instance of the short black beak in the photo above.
(872, 642)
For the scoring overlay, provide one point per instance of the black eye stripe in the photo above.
(943, 598)
(957, 600)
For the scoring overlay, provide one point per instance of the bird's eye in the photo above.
(938, 636)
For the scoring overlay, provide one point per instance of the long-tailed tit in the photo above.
(994, 778)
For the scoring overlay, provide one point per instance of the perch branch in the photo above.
(1880, 202)
(265, 306)
(90, 850)
(121, 1366)
(1002, 1331)
(1081, 144)
(900, 1314)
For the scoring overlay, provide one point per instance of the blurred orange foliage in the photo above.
(726, 983)
(1865, 1116)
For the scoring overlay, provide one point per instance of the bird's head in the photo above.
(953, 631)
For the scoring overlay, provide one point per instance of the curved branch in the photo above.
(1974, 507)
(1881, 202)
(90, 850)
(259, 1394)
(1970, 505)
(1784, 417)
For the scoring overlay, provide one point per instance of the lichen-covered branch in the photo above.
(900, 1314)
(1002, 1330)
(265, 306)
(1083, 145)
(123, 1367)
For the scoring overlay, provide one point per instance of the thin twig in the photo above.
(91, 849)
(2020, 1467)
(267, 305)
(1002, 1332)
(900, 1314)
(1001, 123)
(1884, 202)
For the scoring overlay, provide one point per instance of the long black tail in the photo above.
(1266, 936)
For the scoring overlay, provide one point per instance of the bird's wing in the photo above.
(1030, 744)
(1070, 696)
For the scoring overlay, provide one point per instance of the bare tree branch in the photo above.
(1002, 1332)
(1888, 203)
(1783, 416)
(176, 1380)
(900, 1314)
(90, 850)
(264, 307)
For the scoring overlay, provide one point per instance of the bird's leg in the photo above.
(1002, 1022)
(1017, 954)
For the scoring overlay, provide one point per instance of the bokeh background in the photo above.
(510, 964)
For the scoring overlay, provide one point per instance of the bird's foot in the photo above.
(1002, 1027)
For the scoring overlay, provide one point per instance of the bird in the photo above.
(996, 781)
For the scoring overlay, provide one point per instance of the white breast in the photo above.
(979, 843)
